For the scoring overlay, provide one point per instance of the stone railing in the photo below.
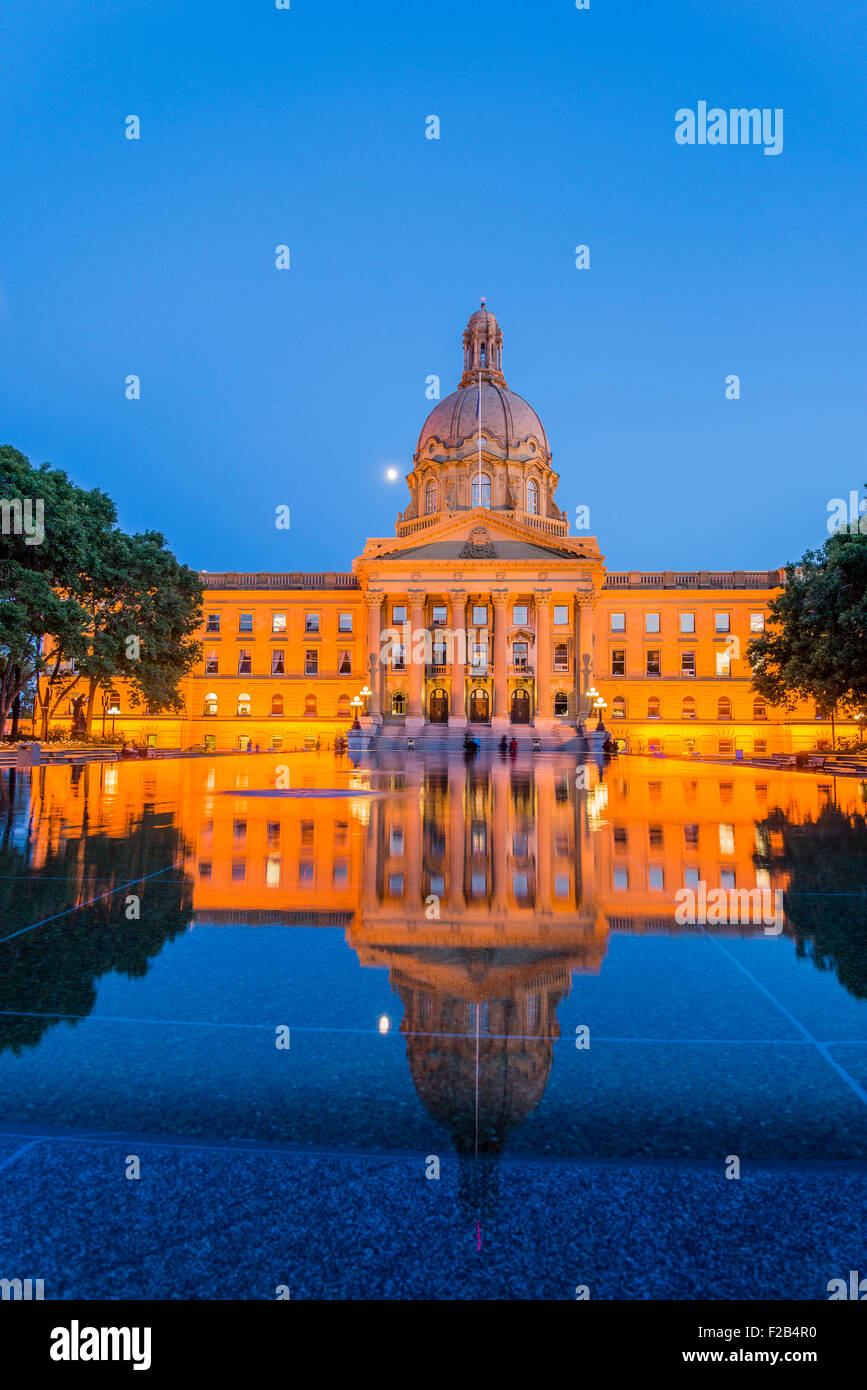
(229, 579)
(695, 579)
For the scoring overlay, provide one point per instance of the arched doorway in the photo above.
(439, 707)
(520, 706)
(479, 707)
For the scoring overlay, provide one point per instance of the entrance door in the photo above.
(479, 707)
(520, 707)
(439, 707)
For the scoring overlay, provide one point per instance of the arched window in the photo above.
(653, 708)
(618, 707)
(724, 707)
(483, 354)
(310, 704)
(760, 709)
(243, 704)
(210, 706)
(276, 704)
(688, 711)
(430, 498)
(343, 706)
(561, 702)
(532, 498)
(398, 702)
(481, 491)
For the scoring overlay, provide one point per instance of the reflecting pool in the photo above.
(448, 1010)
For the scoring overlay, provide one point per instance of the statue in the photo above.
(79, 719)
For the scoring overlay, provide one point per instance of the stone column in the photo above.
(458, 626)
(415, 716)
(544, 657)
(457, 834)
(500, 785)
(501, 716)
(373, 598)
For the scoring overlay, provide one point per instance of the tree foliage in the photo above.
(814, 646)
(82, 592)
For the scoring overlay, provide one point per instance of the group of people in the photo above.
(508, 746)
(135, 750)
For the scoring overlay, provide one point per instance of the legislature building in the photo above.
(481, 610)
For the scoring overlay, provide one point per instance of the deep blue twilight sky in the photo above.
(307, 127)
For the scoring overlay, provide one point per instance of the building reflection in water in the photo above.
(479, 888)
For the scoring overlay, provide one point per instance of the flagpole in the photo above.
(480, 438)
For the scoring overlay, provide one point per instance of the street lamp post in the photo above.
(356, 704)
(365, 695)
(599, 706)
(592, 696)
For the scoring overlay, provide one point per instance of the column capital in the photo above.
(542, 597)
(457, 595)
(373, 597)
(499, 597)
(416, 597)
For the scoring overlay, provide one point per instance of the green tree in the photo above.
(143, 608)
(814, 646)
(41, 569)
(110, 605)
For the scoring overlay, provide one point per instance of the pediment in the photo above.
(482, 535)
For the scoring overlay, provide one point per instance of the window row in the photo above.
(243, 706)
(687, 709)
(721, 622)
(480, 614)
(481, 495)
(312, 622)
(685, 662)
(278, 662)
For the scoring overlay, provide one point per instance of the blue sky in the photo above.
(262, 388)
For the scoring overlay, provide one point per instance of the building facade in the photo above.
(481, 610)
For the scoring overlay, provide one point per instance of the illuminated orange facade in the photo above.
(481, 610)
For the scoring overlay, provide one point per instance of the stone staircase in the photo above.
(392, 737)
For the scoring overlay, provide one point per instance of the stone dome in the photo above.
(506, 416)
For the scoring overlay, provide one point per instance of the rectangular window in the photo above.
(687, 663)
(278, 622)
(725, 747)
(212, 663)
(761, 745)
(210, 743)
(618, 663)
(480, 615)
(439, 649)
(618, 622)
(245, 662)
(245, 622)
(653, 663)
(344, 664)
(687, 622)
(398, 657)
(651, 622)
(723, 664)
(519, 614)
(344, 622)
(721, 622)
(276, 743)
(757, 622)
(561, 614)
(398, 613)
(213, 623)
(439, 615)
(690, 836)
(561, 656)
(278, 661)
(311, 622)
(655, 878)
(311, 663)
(519, 654)
(480, 656)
